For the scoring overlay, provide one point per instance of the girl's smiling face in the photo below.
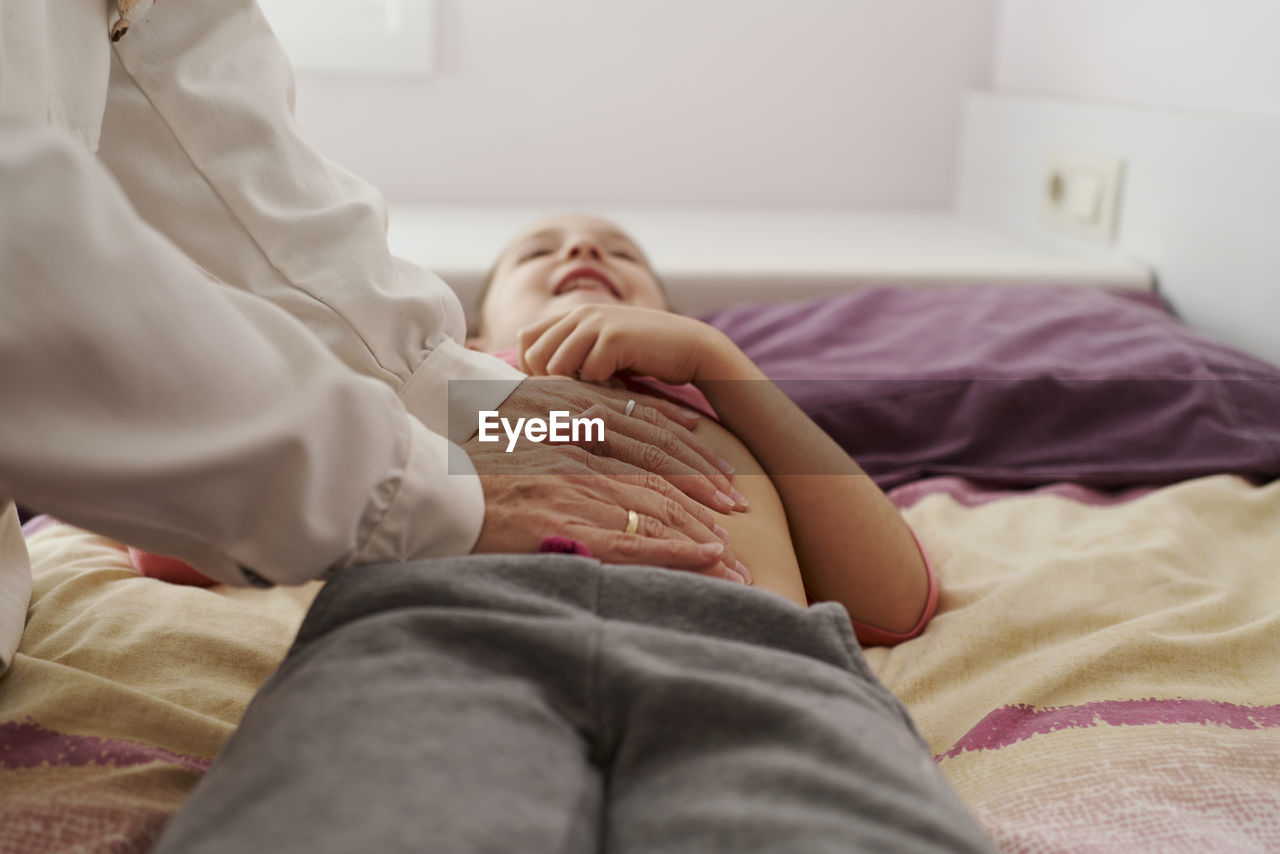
(557, 263)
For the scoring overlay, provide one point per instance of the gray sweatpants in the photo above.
(552, 704)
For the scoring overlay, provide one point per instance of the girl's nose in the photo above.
(584, 249)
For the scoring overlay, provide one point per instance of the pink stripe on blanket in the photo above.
(972, 494)
(1010, 724)
(30, 745)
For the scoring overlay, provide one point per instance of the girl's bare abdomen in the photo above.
(759, 537)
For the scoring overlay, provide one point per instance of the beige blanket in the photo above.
(1105, 678)
(1098, 678)
(122, 690)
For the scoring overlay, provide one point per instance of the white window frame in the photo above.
(356, 36)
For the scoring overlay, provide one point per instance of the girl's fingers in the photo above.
(539, 343)
(571, 353)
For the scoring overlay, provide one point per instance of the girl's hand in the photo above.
(594, 342)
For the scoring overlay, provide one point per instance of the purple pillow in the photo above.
(1017, 385)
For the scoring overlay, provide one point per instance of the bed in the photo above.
(1096, 486)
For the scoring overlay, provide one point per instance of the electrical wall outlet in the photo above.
(1082, 195)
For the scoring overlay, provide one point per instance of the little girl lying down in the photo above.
(573, 295)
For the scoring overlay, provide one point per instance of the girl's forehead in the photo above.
(557, 227)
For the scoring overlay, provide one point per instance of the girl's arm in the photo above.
(853, 545)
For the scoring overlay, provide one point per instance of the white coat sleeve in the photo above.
(15, 583)
(200, 132)
(143, 400)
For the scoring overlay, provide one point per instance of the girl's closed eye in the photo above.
(625, 255)
(530, 254)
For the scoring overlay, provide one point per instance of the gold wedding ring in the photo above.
(633, 522)
(631, 405)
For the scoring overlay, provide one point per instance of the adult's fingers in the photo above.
(540, 394)
(649, 410)
(663, 553)
(648, 427)
(617, 547)
(652, 529)
(658, 453)
(566, 490)
(663, 507)
(685, 417)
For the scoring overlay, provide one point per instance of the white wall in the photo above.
(1200, 201)
(1219, 56)
(764, 102)
(1187, 92)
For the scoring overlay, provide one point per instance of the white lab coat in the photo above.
(141, 396)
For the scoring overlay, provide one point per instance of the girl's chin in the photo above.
(585, 296)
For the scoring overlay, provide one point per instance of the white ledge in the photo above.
(711, 258)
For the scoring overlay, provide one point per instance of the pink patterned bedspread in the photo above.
(1102, 675)
(122, 691)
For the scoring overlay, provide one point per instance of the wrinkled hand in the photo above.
(539, 491)
(646, 463)
(655, 438)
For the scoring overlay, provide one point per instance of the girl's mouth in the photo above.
(586, 278)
